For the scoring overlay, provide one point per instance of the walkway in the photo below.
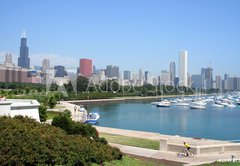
(171, 156)
(155, 154)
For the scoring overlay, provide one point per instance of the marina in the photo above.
(210, 120)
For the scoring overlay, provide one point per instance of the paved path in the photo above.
(76, 115)
(155, 154)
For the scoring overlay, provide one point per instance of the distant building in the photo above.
(207, 76)
(24, 60)
(172, 70)
(183, 68)
(218, 82)
(189, 80)
(176, 81)
(140, 75)
(94, 69)
(225, 82)
(45, 65)
(127, 75)
(34, 77)
(197, 81)
(86, 67)
(8, 60)
(60, 71)
(98, 77)
(165, 78)
(112, 71)
(13, 74)
(146, 77)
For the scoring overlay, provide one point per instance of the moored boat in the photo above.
(164, 103)
(197, 107)
(92, 118)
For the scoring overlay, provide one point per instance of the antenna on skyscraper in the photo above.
(24, 34)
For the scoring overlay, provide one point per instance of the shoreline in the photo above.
(123, 99)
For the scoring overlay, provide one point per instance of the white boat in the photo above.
(231, 105)
(92, 118)
(197, 107)
(164, 103)
(182, 104)
(218, 106)
(199, 103)
(222, 102)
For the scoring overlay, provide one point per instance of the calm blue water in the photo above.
(212, 123)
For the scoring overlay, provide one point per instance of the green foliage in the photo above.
(24, 141)
(65, 122)
(52, 101)
(21, 86)
(82, 84)
(42, 113)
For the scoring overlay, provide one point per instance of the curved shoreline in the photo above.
(122, 99)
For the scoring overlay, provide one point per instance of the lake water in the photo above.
(212, 123)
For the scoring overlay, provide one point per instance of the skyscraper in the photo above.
(45, 65)
(112, 71)
(172, 70)
(60, 71)
(218, 82)
(127, 75)
(207, 76)
(24, 60)
(183, 68)
(146, 77)
(165, 78)
(86, 67)
(197, 81)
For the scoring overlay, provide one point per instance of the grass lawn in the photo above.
(131, 141)
(51, 114)
(129, 161)
(223, 164)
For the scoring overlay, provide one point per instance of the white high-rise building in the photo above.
(183, 68)
(172, 70)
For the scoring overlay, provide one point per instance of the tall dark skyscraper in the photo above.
(24, 60)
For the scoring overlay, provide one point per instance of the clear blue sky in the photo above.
(132, 34)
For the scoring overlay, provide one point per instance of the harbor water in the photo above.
(211, 123)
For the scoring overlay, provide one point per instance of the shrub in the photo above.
(24, 141)
(42, 113)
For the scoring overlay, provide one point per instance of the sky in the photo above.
(132, 34)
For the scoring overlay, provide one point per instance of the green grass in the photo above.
(223, 164)
(131, 141)
(129, 161)
(51, 114)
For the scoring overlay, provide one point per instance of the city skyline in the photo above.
(102, 32)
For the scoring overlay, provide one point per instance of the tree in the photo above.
(42, 113)
(52, 102)
(82, 84)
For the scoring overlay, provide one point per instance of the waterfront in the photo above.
(212, 123)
